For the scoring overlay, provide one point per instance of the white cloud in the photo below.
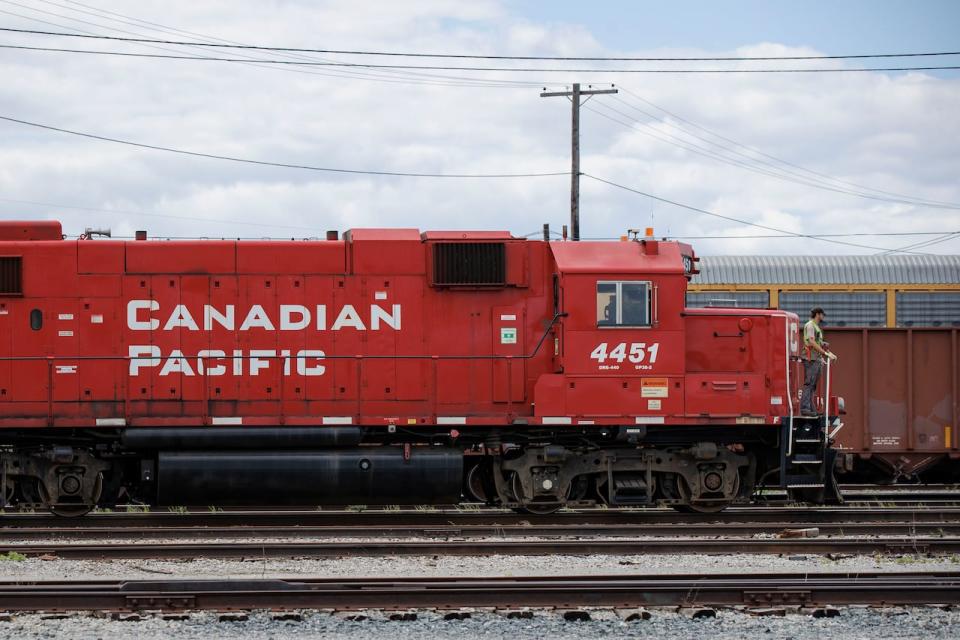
(896, 133)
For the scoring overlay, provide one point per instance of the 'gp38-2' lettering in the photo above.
(639, 353)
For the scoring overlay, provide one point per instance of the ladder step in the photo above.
(806, 461)
(807, 441)
(802, 479)
(805, 486)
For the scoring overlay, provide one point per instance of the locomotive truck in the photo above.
(389, 367)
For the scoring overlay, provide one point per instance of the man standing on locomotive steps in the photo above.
(815, 351)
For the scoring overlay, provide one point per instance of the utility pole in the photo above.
(575, 147)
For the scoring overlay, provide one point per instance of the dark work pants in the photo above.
(811, 375)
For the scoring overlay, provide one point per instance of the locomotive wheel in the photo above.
(578, 489)
(81, 508)
(475, 489)
(675, 487)
(28, 491)
(71, 511)
(531, 507)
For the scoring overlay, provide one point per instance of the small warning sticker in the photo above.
(654, 388)
(508, 335)
(653, 405)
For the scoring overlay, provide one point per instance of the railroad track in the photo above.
(486, 517)
(538, 547)
(912, 528)
(759, 590)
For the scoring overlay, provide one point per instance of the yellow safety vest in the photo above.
(817, 337)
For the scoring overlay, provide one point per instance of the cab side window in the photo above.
(623, 304)
(606, 304)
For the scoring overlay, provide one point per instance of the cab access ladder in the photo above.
(807, 460)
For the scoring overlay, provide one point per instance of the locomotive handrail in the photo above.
(789, 394)
(826, 405)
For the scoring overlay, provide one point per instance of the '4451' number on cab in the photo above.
(635, 352)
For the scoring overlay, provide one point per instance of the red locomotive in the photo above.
(388, 367)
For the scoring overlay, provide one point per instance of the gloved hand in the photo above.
(831, 355)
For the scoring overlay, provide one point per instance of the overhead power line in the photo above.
(391, 76)
(367, 65)
(740, 220)
(898, 234)
(774, 161)
(466, 56)
(284, 165)
(926, 243)
(127, 212)
(272, 225)
(752, 165)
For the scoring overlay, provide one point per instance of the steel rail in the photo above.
(535, 547)
(758, 590)
(903, 528)
(489, 517)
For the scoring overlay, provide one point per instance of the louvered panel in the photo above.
(11, 272)
(479, 264)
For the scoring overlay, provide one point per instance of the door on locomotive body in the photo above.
(620, 359)
(509, 385)
(44, 336)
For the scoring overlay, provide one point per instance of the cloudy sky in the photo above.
(788, 151)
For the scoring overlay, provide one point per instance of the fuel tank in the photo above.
(360, 475)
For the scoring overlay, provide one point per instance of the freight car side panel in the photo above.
(900, 387)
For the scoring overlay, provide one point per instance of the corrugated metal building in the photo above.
(872, 291)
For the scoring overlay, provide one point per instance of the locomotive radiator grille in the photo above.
(11, 271)
(470, 263)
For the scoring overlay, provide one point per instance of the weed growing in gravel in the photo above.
(12, 556)
(138, 508)
(178, 510)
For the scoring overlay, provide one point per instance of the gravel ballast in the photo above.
(850, 624)
(435, 566)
